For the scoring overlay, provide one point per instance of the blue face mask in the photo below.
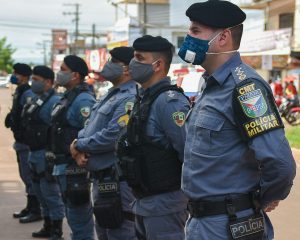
(193, 50)
(14, 79)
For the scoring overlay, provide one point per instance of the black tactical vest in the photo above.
(62, 133)
(158, 168)
(35, 129)
(16, 112)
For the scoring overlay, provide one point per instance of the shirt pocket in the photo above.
(105, 109)
(207, 135)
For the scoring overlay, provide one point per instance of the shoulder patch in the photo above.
(255, 110)
(179, 118)
(85, 111)
(123, 120)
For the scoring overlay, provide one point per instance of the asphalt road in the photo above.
(285, 218)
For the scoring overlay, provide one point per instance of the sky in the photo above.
(26, 23)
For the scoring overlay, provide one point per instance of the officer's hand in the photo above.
(271, 206)
(73, 150)
(81, 159)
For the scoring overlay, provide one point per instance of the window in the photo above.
(180, 41)
(286, 20)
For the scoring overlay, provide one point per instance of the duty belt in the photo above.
(204, 208)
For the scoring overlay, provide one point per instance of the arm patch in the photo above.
(255, 109)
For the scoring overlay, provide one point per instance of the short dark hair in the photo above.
(167, 55)
(237, 33)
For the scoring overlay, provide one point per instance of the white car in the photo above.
(5, 81)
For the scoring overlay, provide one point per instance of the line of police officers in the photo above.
(131, 146)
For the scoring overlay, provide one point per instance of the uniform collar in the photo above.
(126, 86)
(163, 82)
(221, 74)
(76, 88)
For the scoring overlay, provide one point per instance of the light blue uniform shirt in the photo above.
(217, 161)
(99, 137)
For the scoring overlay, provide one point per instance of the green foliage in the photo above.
(293, 135)
(6, 52)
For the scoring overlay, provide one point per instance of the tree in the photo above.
(6, 52)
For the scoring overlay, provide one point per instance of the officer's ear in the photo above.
(48, 82)
(126, 72)
(76, 76)
(225, 37)
(159, 65)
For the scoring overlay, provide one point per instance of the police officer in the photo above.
(112, 196)
(68, 117)
(152, 153)
(237, 162)
(36, 121)
(22, 95)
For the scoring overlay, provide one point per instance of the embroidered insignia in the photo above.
(179, 118)
(129, 106)
(171, 93)
(123, 121)
(253, 102)
(85, 111)
(240, 73)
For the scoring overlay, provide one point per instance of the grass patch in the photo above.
(293, 135)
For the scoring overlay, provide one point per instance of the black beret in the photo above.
(22, 69)
(216, 14)
(44, 72)
(149, 43)
(123, 54)
(76, 64)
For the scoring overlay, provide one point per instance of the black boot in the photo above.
(23, 212)
(56, 230)
(45, 231)
(34, 211)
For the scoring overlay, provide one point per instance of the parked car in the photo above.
(5, 81)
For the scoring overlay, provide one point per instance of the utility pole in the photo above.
(45, 53)
(76, 20)
(94, 36)
(43, 44)
(145, 17)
